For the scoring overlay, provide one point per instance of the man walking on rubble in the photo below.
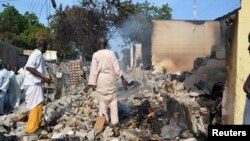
(103, 74)
(33, 79)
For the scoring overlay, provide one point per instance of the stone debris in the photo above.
(171, 131)
(153, 106)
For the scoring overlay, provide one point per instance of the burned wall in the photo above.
(176, 44)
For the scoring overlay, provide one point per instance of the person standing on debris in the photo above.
(4, 86)
(8, 94)
(246, 88)
(12, 88)
(32, 84)
(103, 74)
(15, 89)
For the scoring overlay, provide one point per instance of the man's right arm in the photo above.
(36, 73)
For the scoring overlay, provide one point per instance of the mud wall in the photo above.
(176, 44)
(237, 65)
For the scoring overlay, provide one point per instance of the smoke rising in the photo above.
(137, 29)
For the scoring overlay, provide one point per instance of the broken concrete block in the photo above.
(81, 125)
(107, 133)
(44, 132)
(71, 133)
(187, 134)
(179, 86)
(66, 130)
(204, 110)
(91, 135)
(194, 94)
(81, 134)
(2, 130)
(131, 135)
(72, 122)
(155, 137)
(115, 139)
(30, 138)
(3, 117)
(170, 131)
(189, 139)
(170, 88)
(58, 136)
(87, 111)
(58, 126)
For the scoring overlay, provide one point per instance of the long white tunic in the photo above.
(32, 84)
(15, 90)
(104, 71)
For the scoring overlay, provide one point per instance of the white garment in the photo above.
(11, 94)
(4, 86)
(36, 60)
(33, 96)
(2, 95)
(15, 90)
(32, 84)
(109, 101)
(21, 73)
(4, 80)
(104, 71)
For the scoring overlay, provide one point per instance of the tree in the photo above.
(11, 25)
(20, 30)
(80, 26)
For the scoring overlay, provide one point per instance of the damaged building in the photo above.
(212, 52)
(199, 68)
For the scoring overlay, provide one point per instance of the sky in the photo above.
(181, 9)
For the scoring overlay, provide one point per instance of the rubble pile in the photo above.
(72, 118)
(153, 106)
(187, 111)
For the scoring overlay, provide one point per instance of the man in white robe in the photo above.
(33, 79)
(103, 74)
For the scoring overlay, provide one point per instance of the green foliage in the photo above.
(80, 26)
(153, 12)
(20, 30)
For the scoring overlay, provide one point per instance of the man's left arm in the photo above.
(246, 86)
(117, 70)
(93, 74)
